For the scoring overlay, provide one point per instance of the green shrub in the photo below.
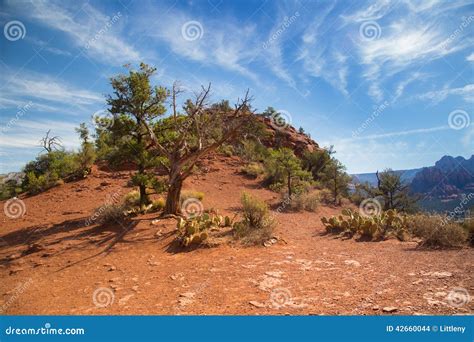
(253, 169)
(227, 150)
(43, 172)
(186, 194)
(253, 151)
(437, 231)
(257, 225)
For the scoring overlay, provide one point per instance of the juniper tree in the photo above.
(186, 137)
(134, 104)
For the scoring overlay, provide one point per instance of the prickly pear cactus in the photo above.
(194, 231)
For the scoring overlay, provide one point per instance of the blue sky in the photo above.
(388, 83)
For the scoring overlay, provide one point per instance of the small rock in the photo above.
(112, 268)
(188, 295)
(135, 288)
(274, 274)
(125, 299)
(257, 304)
(441, 275)
(389, 309)
(352, 263)
(376, 307)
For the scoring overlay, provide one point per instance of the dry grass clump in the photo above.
(436, 231)
(257, 224)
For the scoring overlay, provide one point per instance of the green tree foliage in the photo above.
(316, 162)
(86, 155)
(335, 178)
(284, 168)
(44, 172)
(391, 190)
(134, 104)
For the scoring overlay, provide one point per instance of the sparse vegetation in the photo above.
(253, 169)
(132, 199)
(186, 194)
(111, 213)
(308, 201)
(257, 224)
(436, 231)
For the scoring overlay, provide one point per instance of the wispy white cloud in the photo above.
(42, 87)
(95, 33)
(26, 134)
(229, 45)
(398, 134)
(466, 93)
(470, 58)
(321, 57)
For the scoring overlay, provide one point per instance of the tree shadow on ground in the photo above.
(40, 238)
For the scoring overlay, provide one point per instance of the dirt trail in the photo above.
(134, 269)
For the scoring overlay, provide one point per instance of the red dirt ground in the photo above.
(143, 273)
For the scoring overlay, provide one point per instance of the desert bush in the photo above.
(109, 213)
(43, 172)
(436, 231)
(158, 204)
(253, 151)
(186, 194)
(326, 196)
(306, 201)
(226, 149)
(468, 225)
(253, 169)
(132, 199)
(257, 224)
